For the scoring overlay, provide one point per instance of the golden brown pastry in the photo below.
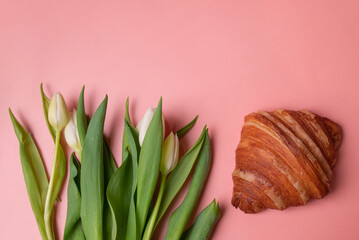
(284, 158)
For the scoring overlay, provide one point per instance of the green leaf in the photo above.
(73, 225)
(109, 162)
(179, 175)
(204, 223)
(110, 168)
(119, 197)
(125, 143)
(148, 168)
(81, 118)
(34, 173)
(45, 106)
(127, 113)
(180, 216)
(131, 232)
(134, 149)
(92, 176)
(185, 129)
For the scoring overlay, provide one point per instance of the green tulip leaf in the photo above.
(34, 173)
(73, 225)
(148, 168)
(109, 162)
(125, 143)
(110, 168)
(45, 106)
(92, 176)
(134, 150)
(179, 175)
(204, 223)
(185, 129)
(81, 118)
(127, 113)
(119, 196)
(132, 134)
(180, 216)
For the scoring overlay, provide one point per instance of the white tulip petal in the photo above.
(58, 114)
(143, 124)
(170, 153)
(71, 133)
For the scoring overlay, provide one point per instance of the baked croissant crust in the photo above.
(284, 158)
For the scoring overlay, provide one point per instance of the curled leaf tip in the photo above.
(186, 128)
(42, 90)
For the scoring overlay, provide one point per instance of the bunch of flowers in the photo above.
(110, 202)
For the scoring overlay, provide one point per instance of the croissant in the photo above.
(284, 158)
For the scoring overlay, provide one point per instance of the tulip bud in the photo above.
(143, 124)
(58, 114)
(170, 151)
(72, 134)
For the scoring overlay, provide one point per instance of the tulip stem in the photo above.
(151, 222)
(48, 204)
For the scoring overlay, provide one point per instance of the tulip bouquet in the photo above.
(110, 202)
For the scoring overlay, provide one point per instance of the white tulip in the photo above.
(143, 124)
(72, 134)
(58, 115)
(170, 152)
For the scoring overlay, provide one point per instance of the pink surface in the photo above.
(219, 59)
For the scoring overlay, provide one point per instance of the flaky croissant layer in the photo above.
(284, 158)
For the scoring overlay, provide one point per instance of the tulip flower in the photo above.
(72, 135)
(143, 124)
(58, 117)
(170, 149)
(169, 160)
(58, 114)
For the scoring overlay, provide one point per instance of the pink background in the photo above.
(219, 59)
